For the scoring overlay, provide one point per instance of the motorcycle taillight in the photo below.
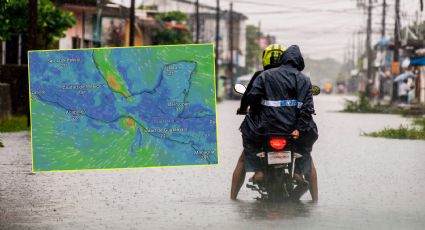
(277, 143)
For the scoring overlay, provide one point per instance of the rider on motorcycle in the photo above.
(270, 57)
(282, 83)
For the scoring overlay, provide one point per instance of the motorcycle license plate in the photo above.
(281, 157)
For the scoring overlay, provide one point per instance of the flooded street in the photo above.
(364, 183)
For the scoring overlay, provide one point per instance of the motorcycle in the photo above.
(278, 159)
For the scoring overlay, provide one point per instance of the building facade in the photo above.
(207, 29)
(97, 24)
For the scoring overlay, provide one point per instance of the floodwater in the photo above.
(364, 183)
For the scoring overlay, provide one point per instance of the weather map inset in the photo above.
(129, 107)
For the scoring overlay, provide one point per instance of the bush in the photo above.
(362, 105)
(403, 132)
(420, 122)
(14, 124)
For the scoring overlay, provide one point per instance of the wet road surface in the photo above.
(364, 183)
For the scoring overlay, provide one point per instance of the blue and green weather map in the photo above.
(129, 107)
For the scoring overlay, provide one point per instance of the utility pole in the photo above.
(32, 39)
(257, 62)
(230, 66)
(131, 42)
(359, 44)
(381, 80)
(396, 65)
(98, 29)
(217, 41)
(397, 30)
(384, 12)
(353, 51)
(368, 48)
(83, 29)
(32, 25)
(197, 20)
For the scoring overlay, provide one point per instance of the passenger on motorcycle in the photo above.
(270, 57)
(282, 82)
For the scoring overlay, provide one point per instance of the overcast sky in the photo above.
(322, 28)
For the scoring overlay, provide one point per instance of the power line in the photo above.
(257, 3)
(304, 11)
(278, 4)
(193, 3)
(336, 29)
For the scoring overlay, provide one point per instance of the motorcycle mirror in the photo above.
(315, 90)
(239, 88)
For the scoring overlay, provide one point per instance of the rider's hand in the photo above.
(296, 134)
(239, 111)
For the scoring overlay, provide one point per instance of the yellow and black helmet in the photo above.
(271, 54)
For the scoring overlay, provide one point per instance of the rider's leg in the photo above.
(238, 177)
(305, 147)
(258, 176)
(251, 148)
(301, 187)
(300, 174)
(298, 177)
(313, 183)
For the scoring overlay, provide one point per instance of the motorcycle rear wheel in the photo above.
(276, 186)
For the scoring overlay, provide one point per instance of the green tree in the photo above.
(147, 7)
(253, 50)
(51, 21)
(171, 36)
(166, 36)
(177, 16)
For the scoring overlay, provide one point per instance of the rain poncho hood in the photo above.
(292, 57)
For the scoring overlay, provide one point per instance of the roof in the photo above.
(223, 15)
(109, 9)
(147, 23)
(171, 25)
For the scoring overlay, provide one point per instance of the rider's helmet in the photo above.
(271, 55)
